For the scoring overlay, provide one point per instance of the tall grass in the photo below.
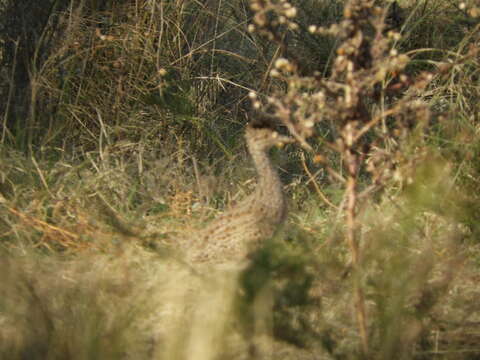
(121, 129)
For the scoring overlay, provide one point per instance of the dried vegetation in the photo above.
(122, 126)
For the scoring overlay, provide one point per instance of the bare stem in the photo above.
(352, 240)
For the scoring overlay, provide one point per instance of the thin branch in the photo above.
(315, 184)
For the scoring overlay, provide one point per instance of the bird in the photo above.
(243, 228)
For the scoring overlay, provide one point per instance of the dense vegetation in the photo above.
(122, 126)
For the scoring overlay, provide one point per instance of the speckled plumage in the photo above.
(235, 233)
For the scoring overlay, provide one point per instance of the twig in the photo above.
(315, 185)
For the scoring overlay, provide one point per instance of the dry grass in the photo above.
(126, 131)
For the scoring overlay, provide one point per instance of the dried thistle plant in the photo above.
(368, 101)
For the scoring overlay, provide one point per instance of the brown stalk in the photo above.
(352, 240)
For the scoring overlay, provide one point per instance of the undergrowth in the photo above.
(122, 128)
